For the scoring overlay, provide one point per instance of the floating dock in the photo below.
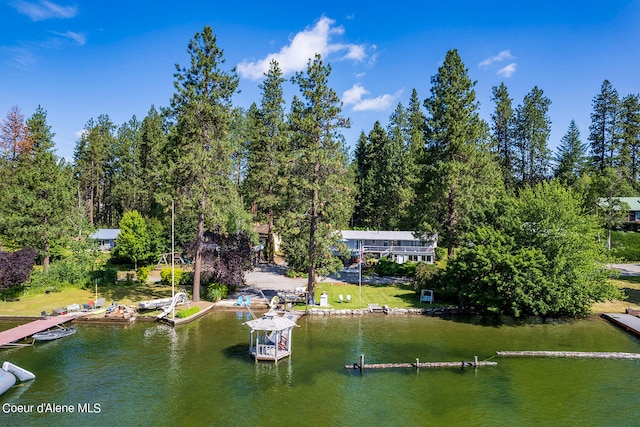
(10, 337)
(626, 321)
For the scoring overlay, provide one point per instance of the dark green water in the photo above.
(200, 374)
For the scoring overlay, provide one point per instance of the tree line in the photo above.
(437, 167)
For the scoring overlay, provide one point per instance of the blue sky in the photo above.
(80, 59)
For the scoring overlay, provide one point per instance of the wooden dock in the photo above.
(626, 321)
(10, 337)
(417, 364)
(576, 354)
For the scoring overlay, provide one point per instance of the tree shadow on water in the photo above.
(238, 352)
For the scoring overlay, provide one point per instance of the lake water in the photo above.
(200, 374)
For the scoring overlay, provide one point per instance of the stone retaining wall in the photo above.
(435, 311)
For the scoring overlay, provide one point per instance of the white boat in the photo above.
(9, 373)
(54, 334)
(154, 304)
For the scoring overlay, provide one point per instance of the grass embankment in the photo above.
(131, 294)
(395, 296)
(630, 285)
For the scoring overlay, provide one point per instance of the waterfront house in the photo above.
(399, 246)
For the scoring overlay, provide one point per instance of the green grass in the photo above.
(33, 304)
(394, 296)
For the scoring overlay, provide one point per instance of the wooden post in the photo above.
(417, 363)
(361, 363)
(475, 361)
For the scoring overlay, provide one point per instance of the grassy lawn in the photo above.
(399, 296)
(630, 285)
(34, 304)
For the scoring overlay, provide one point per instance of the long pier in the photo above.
(626, 321)
(417, 364)
(10, 337)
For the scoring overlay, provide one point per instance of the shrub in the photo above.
(292, 274)
(165, 276)
(182, 314)
(217, 292)
(143, 274)
(625, 245)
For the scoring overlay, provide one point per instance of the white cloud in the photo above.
(20, 57)
(508, 70)
(354, 96)
(502, 56)
(303, 46)
(77, 37)
(44, 9)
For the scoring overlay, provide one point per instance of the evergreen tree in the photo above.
(502, 124)
(320, 184)
(267, 152)
(201, 149)
(604, 134)
(532, 130)
(403, 177)
(94, 168)
(14, 135)
(36, 204)
(459, 180)
(128, 182)
(153, 173)
(629, 161)
(572, 156)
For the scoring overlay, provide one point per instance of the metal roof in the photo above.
(378, 235)
(105, 234)
(270, 321)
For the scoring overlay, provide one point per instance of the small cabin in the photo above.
(270, 337)
(105, 238)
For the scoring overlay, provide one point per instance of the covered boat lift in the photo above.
(270, 337)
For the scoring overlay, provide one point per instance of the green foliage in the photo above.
(625, 245)
(387, 267)
(292, 274)
(217, 292)
(165, 276)
(541, 258)
(319, 190)
(183, 314)
(143, 274)
(133, 241)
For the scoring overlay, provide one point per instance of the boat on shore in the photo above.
(54, 334)
(10, 373)
(154, 304)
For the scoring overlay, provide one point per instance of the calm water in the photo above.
(200, 374)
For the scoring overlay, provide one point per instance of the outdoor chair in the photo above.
(341, 298)
(99, 303)
(239, 302)
(348, 298)
(44, 314)
(247, 301)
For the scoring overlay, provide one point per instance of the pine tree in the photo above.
(532, 130)
(502, 123)
(320, 184)
(603, 130)
(629, 159)
(267, 151)
(459, 181)
(36, 205)
(201, 149)
(571, 160)
(14, 135)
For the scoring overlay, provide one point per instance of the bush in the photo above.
(386, 267)
(182, 314)
(143, 274)
(625, 246)
(165, 276)
(217, 292)
(293, 274)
